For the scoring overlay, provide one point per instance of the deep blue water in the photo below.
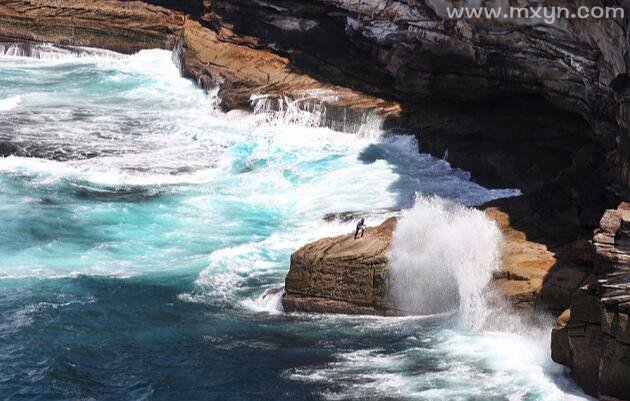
(143, 234)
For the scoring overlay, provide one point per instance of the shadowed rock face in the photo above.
(593, 336)
(453, 78)
(518, 103)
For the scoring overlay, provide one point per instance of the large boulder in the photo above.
(342, 274)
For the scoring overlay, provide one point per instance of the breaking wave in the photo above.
(442, 257)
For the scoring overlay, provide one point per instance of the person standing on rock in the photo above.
(360, 226)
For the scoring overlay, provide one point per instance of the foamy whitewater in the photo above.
(443, 256)
(145, 236)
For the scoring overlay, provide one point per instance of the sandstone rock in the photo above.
(464, 83)
(532, 272)
(341, 274)
(586, 345)
(245, 74)
(611, 221)
(614, 370)
(123, 26)
(399, 65)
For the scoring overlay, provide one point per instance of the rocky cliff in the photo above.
(555, 92)
(516, 102)
(593, 336)
(519, 103)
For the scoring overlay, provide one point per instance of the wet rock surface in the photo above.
(344, 275)
(517, 103)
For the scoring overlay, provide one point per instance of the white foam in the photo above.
(9, 103)
(49, 171)
(269, 301)
(47, 51)
(443, 256)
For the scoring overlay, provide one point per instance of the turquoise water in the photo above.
(143, 235)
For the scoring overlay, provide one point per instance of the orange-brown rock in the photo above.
(123, 26)
(244, 75)
(342, 274)
(525, 263)
(534, 272)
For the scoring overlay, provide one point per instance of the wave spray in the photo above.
(442, 257)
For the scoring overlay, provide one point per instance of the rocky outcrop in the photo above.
(122, 26)
(342, 274)
(593, 336)
(519, 103)
(248, 76)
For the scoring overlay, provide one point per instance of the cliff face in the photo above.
(462, 82)
(593, 336)
(519, 103)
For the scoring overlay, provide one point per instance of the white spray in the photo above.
(442, 258)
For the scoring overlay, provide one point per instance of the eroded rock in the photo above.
(597, 330)
(342, 274)
(122, 26)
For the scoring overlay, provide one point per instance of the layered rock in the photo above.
(466, 85)
(342, 274)
(593, 336)
(516, 102)
(122, 26)
(247, 77)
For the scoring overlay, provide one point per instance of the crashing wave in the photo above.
(442, 257)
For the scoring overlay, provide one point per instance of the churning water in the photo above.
(142, 233)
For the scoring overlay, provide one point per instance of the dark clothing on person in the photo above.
(361, 227)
